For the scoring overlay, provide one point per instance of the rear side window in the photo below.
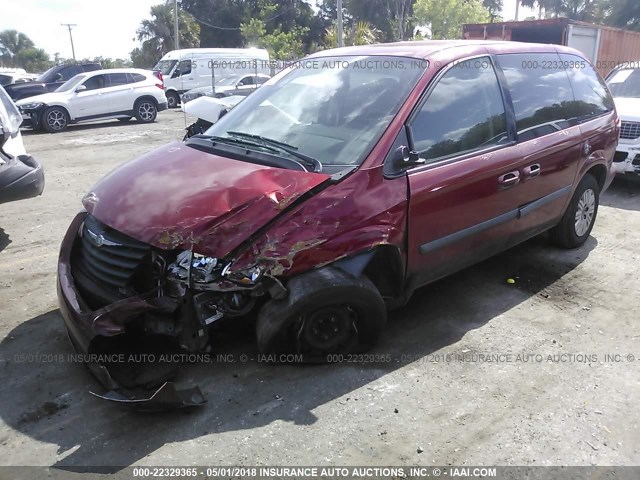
(541, 93)
(136, 77)
(464, 112)
(118, 79)
(592, 98)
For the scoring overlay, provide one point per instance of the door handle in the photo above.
(532, 171)
(509, 180)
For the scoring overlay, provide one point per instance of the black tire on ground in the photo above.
(145, 110)
(54, 119)
(173, 99)
(124, 119)
(580, 216)
(327, 311)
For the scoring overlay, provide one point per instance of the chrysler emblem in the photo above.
(98, 240)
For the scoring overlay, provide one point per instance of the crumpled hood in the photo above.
(628, 108)
(178, 197)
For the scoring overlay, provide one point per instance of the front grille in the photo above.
(630, 130)
(105, 262)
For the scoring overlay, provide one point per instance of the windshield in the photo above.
(232, 80)
(71, 84)
(47, 76)
(333, 109)
(5, 79)
(165, 66)
(625, 83)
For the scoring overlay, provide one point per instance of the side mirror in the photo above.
(81, 88)
(405, 158)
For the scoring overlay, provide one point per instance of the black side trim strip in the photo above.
(520, 212)
(467, 232)
(541, 202)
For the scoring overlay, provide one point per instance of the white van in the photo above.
(190, 68)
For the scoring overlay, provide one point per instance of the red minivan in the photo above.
(329, 195)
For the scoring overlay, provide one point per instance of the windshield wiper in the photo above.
(246, 143)
(290, 149)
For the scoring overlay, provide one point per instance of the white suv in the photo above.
(120, 93)
(624, 83)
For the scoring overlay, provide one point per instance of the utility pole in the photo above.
(517, 8)
(175, 23)
(340, 25)
(69, 26)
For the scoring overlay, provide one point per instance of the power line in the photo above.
(237, 28)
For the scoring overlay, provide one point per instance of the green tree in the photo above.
(494, 7)
(32, 59)
(360, 33)
(584, 10)
(12, 43)
(446, 17)
(623, 13)
(157, 33)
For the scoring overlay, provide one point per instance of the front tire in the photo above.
(580, 216)
(326, 312)
(146, 111)
(55, 120)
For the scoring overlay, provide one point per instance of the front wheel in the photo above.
(326, 312)
(580, 216)
(55, 119)
(145, 111)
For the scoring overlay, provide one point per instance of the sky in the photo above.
(104, 27)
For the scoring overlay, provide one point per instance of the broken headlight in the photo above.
(248, 276)
(201, 268)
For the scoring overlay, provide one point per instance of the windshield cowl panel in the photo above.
(331, 109)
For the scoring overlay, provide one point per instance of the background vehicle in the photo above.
(15, 75)
(21, 176)
(187, 69)
(49, 80)
(118, 93)
(624, 83)
(242, 85)
(208, 110)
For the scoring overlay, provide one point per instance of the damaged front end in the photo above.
(121, 296)
(154, 275)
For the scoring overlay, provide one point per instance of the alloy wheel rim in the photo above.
(584, 212)
(146, 111)
(56, 120)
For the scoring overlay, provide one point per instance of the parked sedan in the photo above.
(232, 85)
(21, 175)
(119, 93)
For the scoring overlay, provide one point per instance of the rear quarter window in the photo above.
(541, 93)
(136, 77)
(592, 97)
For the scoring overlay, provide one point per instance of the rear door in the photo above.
(463, 200)
(120, 93)
(548, 137)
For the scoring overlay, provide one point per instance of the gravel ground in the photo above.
(474, 371)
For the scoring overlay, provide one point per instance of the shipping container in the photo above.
(605, 47)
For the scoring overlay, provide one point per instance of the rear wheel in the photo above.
(172, 99)
(580, 216)
(145, 111)
(55, 119)
(326, 312)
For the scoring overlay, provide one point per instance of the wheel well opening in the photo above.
(599, 172)
(146, 97)
(386, 271)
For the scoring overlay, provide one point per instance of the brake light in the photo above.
(158, 74)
